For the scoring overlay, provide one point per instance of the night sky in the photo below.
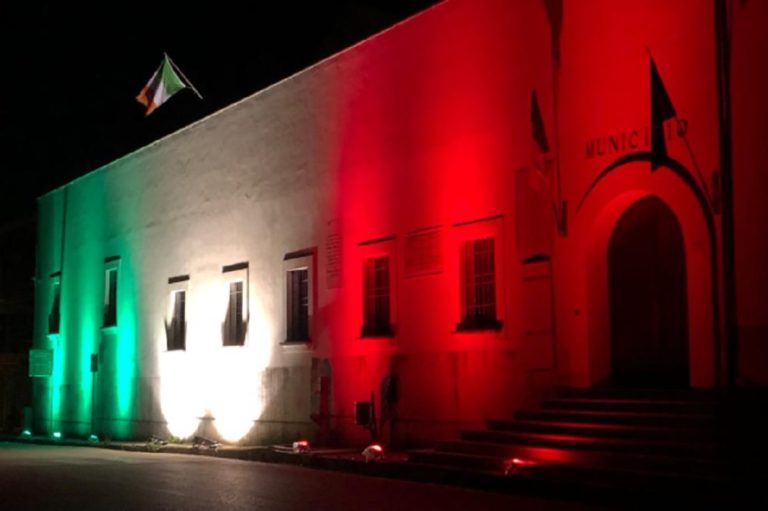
(71, 73)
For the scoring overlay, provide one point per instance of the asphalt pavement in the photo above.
(44, 477)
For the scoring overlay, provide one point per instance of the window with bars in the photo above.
(177, 329)
(297, 293)
(234, 326)
(376, 298)
(54, 318)
(110, 298)
(478, 281)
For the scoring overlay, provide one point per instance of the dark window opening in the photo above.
(479, 286)
(176, 331)
(298, 305)
(234, 326)
(376, 298)
(54, 318)
(110, 299)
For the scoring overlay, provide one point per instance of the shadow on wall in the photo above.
(15, 392)
(286, 413)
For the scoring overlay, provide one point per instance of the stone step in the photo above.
(553, 456)
(669, 419)
(604, 430)
(693, 444)
(595, 443)
(627, 393)
(586, 473)
(490, 464)
(632, 405)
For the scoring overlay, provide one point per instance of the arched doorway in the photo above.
(648, 297)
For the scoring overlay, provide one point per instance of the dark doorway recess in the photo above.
(647, 286)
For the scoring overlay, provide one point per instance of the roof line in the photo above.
(295, 75)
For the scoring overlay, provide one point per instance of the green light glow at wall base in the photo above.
(55, 384)
(83, 398)
(126, 364)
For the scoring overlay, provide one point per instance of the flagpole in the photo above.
(183, 76)
(725, 124)
(699, 174)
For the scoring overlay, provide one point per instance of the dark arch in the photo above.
(673, 165)
(684, 174)
(648, 297)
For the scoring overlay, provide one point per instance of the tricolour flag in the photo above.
(163, 84)
(540, 148)
(543, 165)
(662, 109)
(537, 125)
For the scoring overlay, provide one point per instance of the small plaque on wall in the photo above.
(333, 244)
(536, 223)
(40, 363)
(422, 252)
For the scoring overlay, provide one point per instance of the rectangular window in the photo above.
(176, 331)
(376, 297)
(299, 269)
(110, 298)
(478, 281)
(423, 252)
(297, 305)
(54, 318)
(234, 327)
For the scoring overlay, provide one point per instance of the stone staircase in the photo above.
(688, 443)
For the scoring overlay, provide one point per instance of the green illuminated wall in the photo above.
(46, 396)
(74, 400)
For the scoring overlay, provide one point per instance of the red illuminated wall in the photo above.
(435, 132)
(433, 135)
(750, 181)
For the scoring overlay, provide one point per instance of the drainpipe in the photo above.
(723, 57)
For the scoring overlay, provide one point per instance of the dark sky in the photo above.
(70, 73)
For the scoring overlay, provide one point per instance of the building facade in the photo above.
(483, 202)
